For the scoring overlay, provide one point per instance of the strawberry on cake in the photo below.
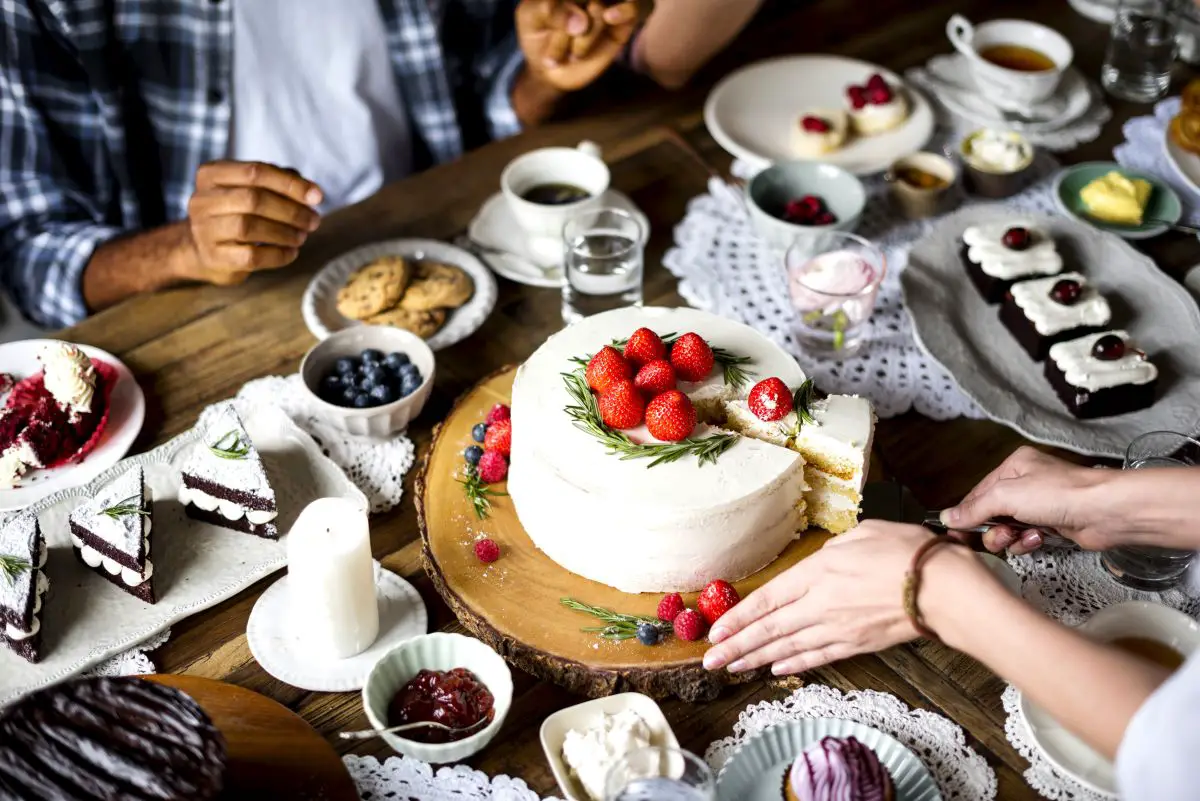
(820, 131)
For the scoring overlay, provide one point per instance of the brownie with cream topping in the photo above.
(111, 534)
(23, 584)
(999, 254)
(1101, 375)
(1042, 312)
(224, 481)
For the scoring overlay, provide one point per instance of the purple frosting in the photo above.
(839, 769)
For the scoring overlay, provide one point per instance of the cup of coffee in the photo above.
(545, 188)
(1152, 631)
(1020, 63)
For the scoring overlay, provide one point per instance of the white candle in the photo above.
(331, 579)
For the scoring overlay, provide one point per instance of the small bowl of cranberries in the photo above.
(792, 200)
(446, 678)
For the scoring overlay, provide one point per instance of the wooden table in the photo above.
(194, 346)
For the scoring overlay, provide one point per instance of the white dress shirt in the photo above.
(1159, 756)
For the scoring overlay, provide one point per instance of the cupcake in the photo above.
(838, 769)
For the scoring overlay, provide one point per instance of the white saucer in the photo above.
(1072, 756)
(280, 650)
(495, 227)
(127, 410)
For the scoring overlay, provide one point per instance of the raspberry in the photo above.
(487, 551)
(655, 378)
(493, 467)
(670, 607)
(692, 358)
(499, 412)
(689, 625)
(814, 125)
(499, 437)
(606, 368)
(622, 406)
(879, 95)
(644, 346)
(717, 598)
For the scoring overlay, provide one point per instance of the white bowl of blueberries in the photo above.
(370, 380)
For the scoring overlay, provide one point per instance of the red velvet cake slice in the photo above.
(111, 534)
(23, 582)
(224, 482)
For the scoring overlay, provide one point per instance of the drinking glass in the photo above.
(833, 282)
(603, 263)
(659, 774)
(1143, 567)
(1142, 47)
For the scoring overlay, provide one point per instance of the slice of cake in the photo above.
(1042, 312)
(224, 482)
(23, 582)
(1101, 375)
(111, 534)
(999, 254)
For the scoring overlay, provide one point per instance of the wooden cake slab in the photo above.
(514, 604)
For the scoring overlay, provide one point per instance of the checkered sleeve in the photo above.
(499, 69)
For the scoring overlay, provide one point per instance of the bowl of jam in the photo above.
(443, 678)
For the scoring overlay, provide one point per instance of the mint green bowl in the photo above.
(1163, 204)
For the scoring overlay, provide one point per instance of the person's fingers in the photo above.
(776, 625)
(288, 183)
(228, 277)
(810, 660)
(581, 45)
(621, 34)
(811, 638)
(1030, 541)
(558, 44)
(995, 501)
(250, 229)
(541, 12)
(253, 201)
(577, 21)
(998, 539)
(785, 588)
(621, 14)
(248, 258)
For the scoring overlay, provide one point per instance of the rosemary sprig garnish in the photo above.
(586, 415)
(479, 494)
(802, 401)
(230, 446)
(617, 626)
(734, 373)
(130, 506)
(12, 566)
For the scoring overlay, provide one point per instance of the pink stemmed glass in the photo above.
(833, 288)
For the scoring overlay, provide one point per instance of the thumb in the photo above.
(977, 510)
(573, 19)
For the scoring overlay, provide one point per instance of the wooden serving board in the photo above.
(273, 753)
(514, 603)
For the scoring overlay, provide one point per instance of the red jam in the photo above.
(452, 697)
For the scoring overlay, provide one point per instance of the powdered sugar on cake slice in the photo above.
(22, 584)
(112, 533)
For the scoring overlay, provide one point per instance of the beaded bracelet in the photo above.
(912, 584)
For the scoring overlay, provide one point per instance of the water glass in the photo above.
(833, 283)
(1142, 47)
(659, 774)
(603, 263)
(1145, 567)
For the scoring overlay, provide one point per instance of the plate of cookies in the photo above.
(437, 291)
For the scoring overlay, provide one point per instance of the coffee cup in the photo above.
(575, 170)
(1015, 62)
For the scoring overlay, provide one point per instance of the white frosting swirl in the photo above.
(997, 151)
(985, 248)
(1083, 370)
(69, 376)
(1049, 317)
(228, 509)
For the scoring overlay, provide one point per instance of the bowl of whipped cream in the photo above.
(996, 163)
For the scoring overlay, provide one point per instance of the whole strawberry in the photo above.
(692, 358)
(487, 551)
(644, 346)
(689, 625)
(670, 607)
(717, 598)
(655, 378)
(499, 437)
(622, 406)
(671, 417)
(499, 412)
(769, 399)
(606, 368)
(493, 467)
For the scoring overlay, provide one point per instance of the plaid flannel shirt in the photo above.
(108, 107)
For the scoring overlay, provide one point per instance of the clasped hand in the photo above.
(570, 44)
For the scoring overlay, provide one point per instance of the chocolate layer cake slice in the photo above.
(998, 254)
(23, 582)
(1042, 312)
(224, 482)
(111, 534)
(103, 739)
(1101, 375)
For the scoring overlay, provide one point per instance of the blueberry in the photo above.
(346, 365)
(648, 634)
(410, 369)
(395, 361)
(383, 393)
(364, 383)
(362, 401)
(348, 395)
(473, 454)
(479, 432)
(371, 356)
(331, 386)
(409, 385)
(376, 374)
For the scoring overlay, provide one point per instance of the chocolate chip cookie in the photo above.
(423, 323)
(374, 288)
(437, 286)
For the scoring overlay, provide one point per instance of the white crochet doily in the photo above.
(961, 773)
(401, 777)
(1043, 777)
(724, 268)
(1144, 149)
(134, 662)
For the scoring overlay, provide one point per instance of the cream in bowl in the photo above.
(996, 162)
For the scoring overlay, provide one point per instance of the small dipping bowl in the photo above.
(437, 651)
(769, 192)
(916, 202)
(989, 180)
(377, 421)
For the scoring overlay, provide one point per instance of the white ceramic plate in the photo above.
(319, 305)
(1072, 756)
(756, 770)
(1186, 165)
(196, 565)
(127, 411)
(964, 334)
(752, 112)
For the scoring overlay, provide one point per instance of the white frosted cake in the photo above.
(673, 526)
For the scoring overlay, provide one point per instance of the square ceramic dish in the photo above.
(581, 716)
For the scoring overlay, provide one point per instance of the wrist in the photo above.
(183, 259)
(957, 592)
(534, 98)
(1146, 507)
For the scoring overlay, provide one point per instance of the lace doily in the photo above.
(961, 773)
(1143, 149)
(401, 777)
(724, 268)
(134, 662)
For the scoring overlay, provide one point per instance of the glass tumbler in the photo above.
(602, 259)
(1143, 567)
(659, 774)
(833, 282)
(1142, 47)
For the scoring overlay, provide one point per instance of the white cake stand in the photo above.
(278, 644)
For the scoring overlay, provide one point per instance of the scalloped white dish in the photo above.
(319, 306)
(86, 620)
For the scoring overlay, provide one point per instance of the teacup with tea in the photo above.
(1019, 63)
(544, 188)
